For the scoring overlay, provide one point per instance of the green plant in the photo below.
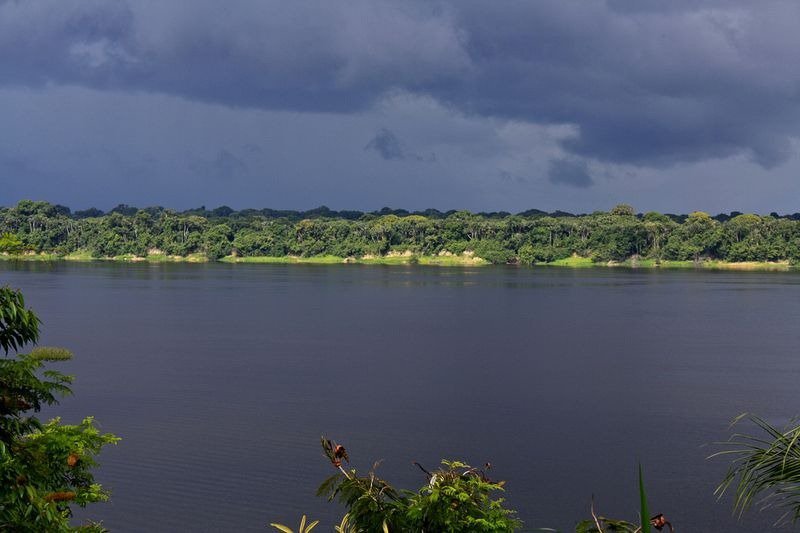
(766, 466)
(18, 326)
(601, 524)
(302, 529)
(345, 526)
(644, 512)
(44, 467)
(456, 498)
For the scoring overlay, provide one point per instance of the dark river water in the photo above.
(221, 378)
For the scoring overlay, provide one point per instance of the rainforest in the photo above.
(621, 236)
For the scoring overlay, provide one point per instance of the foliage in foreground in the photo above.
(457, 498)
(601, 524)
(304, 528)
(765, 468)
(44, 467)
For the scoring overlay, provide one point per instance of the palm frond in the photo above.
(765, 468)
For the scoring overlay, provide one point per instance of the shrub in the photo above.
(44, 467)
(457, 498)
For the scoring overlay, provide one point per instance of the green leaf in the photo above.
(328, 487)
(645, 513)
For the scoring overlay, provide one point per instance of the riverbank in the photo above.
(464, 260)
(395, 259)
(391, 259)
(710, 264)
(126, 258)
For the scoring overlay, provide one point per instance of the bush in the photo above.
(530, 254)
(44, 467)
(493, 251)
(10, 244)
(457, 498)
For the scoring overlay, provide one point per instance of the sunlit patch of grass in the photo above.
(676, 264)
(382, 260)
(316, 259)
(746, 265)
(194, 258)
(366, 260)
(79, 255)
(30, 257)
(584, 262)
(574, 261)
(451, 260)
(127, 258)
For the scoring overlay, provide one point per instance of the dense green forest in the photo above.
(529, 237)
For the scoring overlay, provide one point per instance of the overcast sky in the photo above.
(577, 105)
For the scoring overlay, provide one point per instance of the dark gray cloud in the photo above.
(307, 56)
(569, 171)
(646, 82)
(647, 88)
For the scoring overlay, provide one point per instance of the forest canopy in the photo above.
(529, 237)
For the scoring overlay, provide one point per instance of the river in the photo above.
(220, 380)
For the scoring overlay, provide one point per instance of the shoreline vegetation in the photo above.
(446, 260)
(621, 237)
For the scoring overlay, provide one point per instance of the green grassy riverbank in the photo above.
(464, 260)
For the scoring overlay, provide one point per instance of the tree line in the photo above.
(529, 237)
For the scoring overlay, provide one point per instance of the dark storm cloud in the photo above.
(645, 82)
(307, 56)
(571, 172)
